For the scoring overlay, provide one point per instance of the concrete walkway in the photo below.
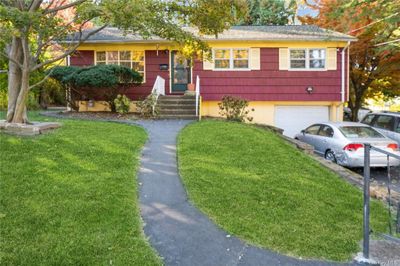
(180, 233)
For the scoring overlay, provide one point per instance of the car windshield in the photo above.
(354, 132)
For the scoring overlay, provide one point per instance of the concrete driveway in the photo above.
(379, 175)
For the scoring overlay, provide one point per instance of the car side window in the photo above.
(385, 122)
(368, 119)
(326, 131)
(397, 129)
(312, 130)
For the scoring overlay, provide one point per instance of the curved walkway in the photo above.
(180, 233)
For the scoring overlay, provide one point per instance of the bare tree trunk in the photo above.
(14, 77)
(20, 109)
(18, 83)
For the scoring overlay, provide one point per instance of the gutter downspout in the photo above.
(344, 71)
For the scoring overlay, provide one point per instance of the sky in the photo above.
(304, 10)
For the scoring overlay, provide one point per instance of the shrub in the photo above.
(122, 104)
(3, 100)
(32, 101)
(235, 109)
(147, 108)
(104, 81)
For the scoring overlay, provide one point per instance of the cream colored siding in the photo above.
(255, 59)
(331, 59)
(283, 58)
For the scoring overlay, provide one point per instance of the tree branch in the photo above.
(35, 4)
(11, 59)
(69, 51)
(50, 3)
(44, 79)
(56, 9)
(42, 45)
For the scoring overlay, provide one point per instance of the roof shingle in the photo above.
(253, 33)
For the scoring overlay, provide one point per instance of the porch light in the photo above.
(309, 89)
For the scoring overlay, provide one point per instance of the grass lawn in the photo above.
(263, 190)
(69, 197)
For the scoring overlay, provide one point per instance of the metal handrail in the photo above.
(158, 89)
(367, 174)
(385, 152)
(197, 95)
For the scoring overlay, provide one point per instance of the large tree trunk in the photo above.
(18, 81)
(14, 76)
(354, 113)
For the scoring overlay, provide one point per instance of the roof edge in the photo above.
(216, 40)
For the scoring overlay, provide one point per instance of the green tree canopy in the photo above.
(29, 28)
(270, 12)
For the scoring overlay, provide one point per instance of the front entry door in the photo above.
(180, 72)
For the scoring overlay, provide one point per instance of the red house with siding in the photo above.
(292, 75)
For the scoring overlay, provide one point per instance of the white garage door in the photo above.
(292, 119)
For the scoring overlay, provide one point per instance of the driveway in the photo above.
(379, 175)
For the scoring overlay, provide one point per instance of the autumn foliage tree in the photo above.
(30, 28)
(375, 57)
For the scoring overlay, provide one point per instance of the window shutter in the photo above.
(255, 59)
(283, 58)
(331, 59)
(207, 65)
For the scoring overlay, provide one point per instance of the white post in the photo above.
(197, 94)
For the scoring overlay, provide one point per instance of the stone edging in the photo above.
(32, 129)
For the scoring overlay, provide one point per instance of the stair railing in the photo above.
(197, 95)
(366, 210)
(158, 89)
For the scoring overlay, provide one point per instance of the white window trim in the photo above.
(119, 61)
(231, 60)
(307, 60)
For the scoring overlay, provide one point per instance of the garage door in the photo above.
(292, 119)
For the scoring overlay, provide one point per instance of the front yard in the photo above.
(261, 189)
(69, 197)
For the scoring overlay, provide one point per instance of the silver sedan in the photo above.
(343, 143)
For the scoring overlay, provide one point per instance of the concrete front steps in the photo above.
(177, 107)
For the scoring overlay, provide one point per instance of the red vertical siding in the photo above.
(82, 58)
(270, 83)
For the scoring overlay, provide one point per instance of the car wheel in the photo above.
(330, 156)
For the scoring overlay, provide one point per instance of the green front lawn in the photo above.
(263, 190)
(69, 197)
